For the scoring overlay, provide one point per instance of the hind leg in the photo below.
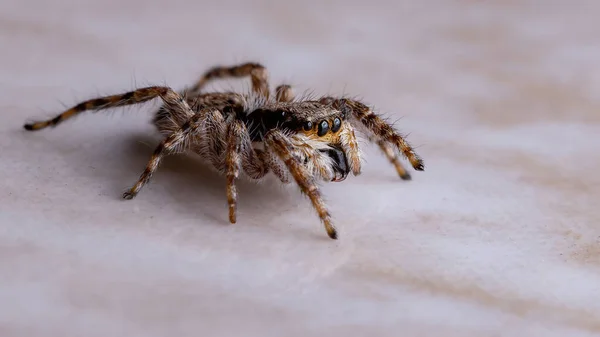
(284, 93)
(172, 100)
(257, 72)
(176, 140)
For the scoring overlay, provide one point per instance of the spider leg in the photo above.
(172, 99)
(316, 163)
(257, 72)
(284, 93)
(350, 146)
(240, 154)
(271, 160)
(214, 143)
(393, 158)
(233, 162)
(169, 145)
(283, 148)
(377, 128)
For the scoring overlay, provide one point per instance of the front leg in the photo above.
(283, 148)
(393, 158)
(379, 131)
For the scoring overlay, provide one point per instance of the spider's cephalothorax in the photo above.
(304, 140)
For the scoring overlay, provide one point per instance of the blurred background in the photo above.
(499, 236)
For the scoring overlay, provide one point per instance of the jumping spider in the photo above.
(309, 139)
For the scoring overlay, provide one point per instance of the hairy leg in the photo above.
(170, 98)
(315, 162)
(272, 162)
(167, 146)
(393, 158)
(240, 154)
(350, 146)
(232, 163)
(377, 128)
(278, 143)
(284, 93)
(213, 142)
(257, 72)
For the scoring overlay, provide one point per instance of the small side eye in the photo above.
(337, 124)
(323, 128)
(308, 126)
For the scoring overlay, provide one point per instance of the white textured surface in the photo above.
(500, 236)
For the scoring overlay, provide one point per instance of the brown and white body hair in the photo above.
(297, 139)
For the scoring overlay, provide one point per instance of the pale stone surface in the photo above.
(500, 236)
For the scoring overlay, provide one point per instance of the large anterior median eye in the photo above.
(337, 124)
(323, 128)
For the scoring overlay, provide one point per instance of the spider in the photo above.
(307, 140)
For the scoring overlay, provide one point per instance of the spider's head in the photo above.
(323, 139)
(329, 133)
(326, 134)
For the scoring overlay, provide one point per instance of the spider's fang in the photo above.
(340, 164)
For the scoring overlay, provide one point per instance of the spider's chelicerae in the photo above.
(259, 132)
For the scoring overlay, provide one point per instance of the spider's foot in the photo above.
(331, 232)
(402, 173)
(35, 126)
(417, 164)
(232, 216)
(129, 195)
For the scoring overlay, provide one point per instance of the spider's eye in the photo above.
(337, 124)
(323, 128)
(308, 126)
